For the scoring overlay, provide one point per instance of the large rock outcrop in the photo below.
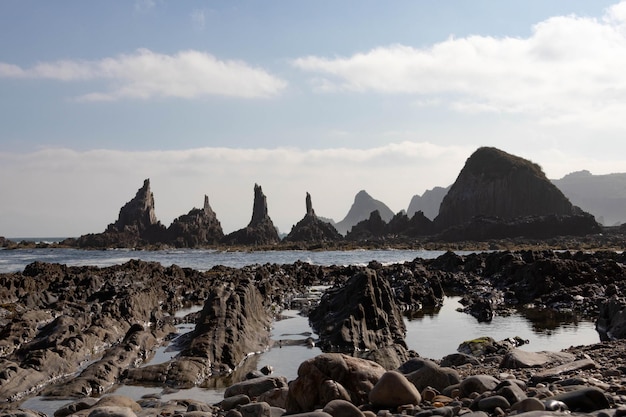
(260, 230)
(375, 228)
(137, 225)
(496, 185)
(312, 229)
(361, 209)
(361, 315)
(200, 227)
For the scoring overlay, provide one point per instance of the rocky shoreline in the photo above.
(76, 332)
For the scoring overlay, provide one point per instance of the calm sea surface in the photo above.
(433, 334)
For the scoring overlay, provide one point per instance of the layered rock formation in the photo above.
(200, 227)
(260, 230)
(361, 209)
(311, 228)
(512, 191)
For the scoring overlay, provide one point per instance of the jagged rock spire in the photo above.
(259, 209)
(138, 212)
(309, 205)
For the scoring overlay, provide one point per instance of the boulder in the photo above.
(393, 390)
(611, 321)
(425, 373)
(517, 358)
(355, 377)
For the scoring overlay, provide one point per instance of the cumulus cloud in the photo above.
(569, 69)
(146, 74)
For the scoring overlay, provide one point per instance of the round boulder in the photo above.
(393, 390)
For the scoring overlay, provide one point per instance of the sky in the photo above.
(326, 97)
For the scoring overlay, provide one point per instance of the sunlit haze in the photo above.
(323, 97)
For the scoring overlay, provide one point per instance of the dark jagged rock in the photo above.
(312, 229)
(400, 225)
(361, 209)
(501, 195)
(260, 230)
(360, 315)
(611, 322)
(200, 227)
(137, 225)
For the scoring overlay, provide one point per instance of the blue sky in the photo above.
(211, 97)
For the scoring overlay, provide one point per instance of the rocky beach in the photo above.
(78, 332)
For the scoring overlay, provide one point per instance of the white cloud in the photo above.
(569, 69)
(146, 74)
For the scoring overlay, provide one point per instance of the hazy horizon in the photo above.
(326, 98)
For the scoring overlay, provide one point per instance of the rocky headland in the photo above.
(77, 332)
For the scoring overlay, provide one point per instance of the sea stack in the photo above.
(199, 227)
(498, 195)
(260, 230)
(311, 228)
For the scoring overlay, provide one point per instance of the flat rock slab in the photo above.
(566, 367)
(518, 358)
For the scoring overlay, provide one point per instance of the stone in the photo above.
(518, 358)
(425, 373)
(255, 387)
(276, 397)
(356, 376)
(255, 409)
(585, 399)
(490, 403)
(511, 391)
(458, 359)
(393, 390)
(342, 408)
(478, 384)
(528, 404)
(611, 321)
(111, 411)
(549, 373)
(233, 401)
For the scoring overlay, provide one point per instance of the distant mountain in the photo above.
(361, 209)
(428, 203)
(604, 196)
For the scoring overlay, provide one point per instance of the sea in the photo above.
(432, 333)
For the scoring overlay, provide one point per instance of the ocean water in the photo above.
(433, 334)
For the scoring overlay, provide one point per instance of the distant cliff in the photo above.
(604, 196)
(361, 209)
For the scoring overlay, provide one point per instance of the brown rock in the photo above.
(394, 390)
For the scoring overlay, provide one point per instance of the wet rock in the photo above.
(342, 408)
(255, 387)
(458, 359)
(611, 321)
(478, 383)
(425, 373)
(584, 399)
(256, 409)
(356, 376)
(360, 315)
(392, 390)
(517, 358)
